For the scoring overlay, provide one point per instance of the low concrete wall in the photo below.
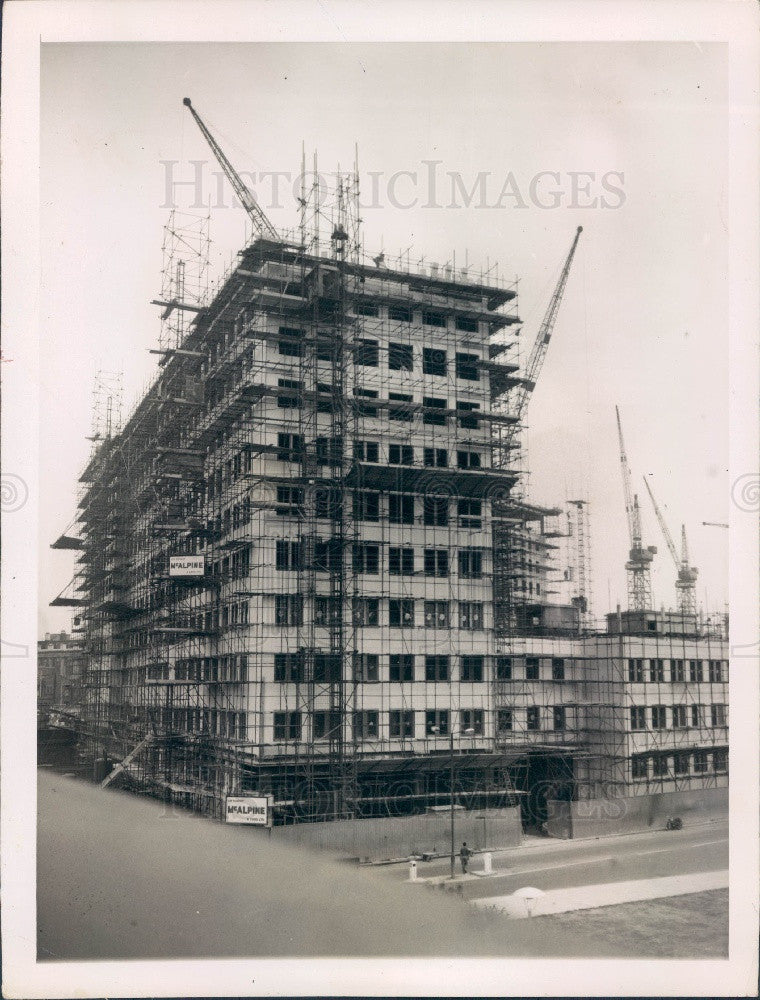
(605, 817)
(399, 836)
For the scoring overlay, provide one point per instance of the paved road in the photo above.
(559, 864)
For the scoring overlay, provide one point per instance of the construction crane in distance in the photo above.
(640, 557)
(261, 225)
(522, 394)
(687, 575)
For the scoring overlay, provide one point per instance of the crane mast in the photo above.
(261, 224)
(687, 575)
(640, 556)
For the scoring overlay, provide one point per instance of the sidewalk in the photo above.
(586, 897)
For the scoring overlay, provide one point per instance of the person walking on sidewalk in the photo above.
(464, 856)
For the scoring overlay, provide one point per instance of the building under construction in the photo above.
(307, 570)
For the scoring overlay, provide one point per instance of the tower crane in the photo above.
(640, 556)
(540, 346)
(687, 575)
(261, 224)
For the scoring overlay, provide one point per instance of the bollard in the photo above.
(488, 863)
(413, 871)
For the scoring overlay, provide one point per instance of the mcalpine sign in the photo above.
(249, 809)
(186, 566)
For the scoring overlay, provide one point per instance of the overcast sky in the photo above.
(644, 320)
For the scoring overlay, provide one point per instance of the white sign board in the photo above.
(255, 810)
(186, 566)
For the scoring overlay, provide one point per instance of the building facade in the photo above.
(60, 668)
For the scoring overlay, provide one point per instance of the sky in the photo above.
(628, 140)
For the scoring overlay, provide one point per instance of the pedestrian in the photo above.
(464, 856)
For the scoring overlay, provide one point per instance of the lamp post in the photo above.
(467, 732)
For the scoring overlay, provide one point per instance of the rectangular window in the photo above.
(437, 722)
(469, 513)
(400, 407)
(470, 563)
(437, 668)
(436, 614)
(435, 511)
(289, 348)
(436, 562)
(366, 353)
(472, 669)
(362, 407)
(679, 716)
(329, 450)
(366, 558)
(328, 504)
(503, 668)
(658, 717)
(400, 454)
(327, 725)
(656, 671)
(401, 667)
(327, 668)
(400, 314)
(288, 609)
(639, 766)
(327, 398)
(287, 555)
(294, 335)
(366, 667)
(288, 668)
(715, 673)
(676, 670)
(435, 458)
(718, 715)
(366, 506)
(720, 760)
(638, 717)
(289, 447)
(366, 725)
(466, 325)
(470, 614)
(400, 357)
(400, 724)
(504, 720)
(660, 767)
(366, 451)
(327, 556)
(531, 668)
(695, 671)
(680, 763)
(471, 718)
(468, 460)
(696, 716)
(468, 423)
(433, 361)
(700, 762)
(559, 716)
(327, 611)
(366, 611)
(558, 668)
(400, 508)
(430, 405)
(287, 726)
(636, 671)
(289, 499)
(534, 718)
(401, 612)
(366, 309)
(467, 366)
(292, 399)
(400, 561)
(430, 318)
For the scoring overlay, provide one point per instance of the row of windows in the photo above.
(328, 504)
(326, 558)
(401, 612)
(507, 717)
(290, 668)
(365, 725)
(330, 450)
(681, 716)
(401, 406)
(661, 765)
(653, 670)
(428, 317)
(401, 357)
